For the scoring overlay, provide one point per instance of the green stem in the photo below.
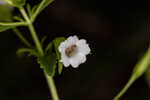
(129, 83)
(52, 87)
(37, 10)
(32, 31)
(50, 81)
(13, 24)
(22, 38)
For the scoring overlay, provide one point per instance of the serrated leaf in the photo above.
(48, 63)
(147, 76)
(57, 42)
(4, 28)
(31, 52)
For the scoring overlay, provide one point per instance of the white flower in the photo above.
(73, 51)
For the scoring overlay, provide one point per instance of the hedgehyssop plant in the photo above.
(61, 51)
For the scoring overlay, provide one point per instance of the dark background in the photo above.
(118, 33)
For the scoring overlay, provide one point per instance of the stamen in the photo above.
(71, 50)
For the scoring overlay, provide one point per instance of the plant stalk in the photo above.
(50, 81)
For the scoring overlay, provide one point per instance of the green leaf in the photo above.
(5, 13)
(43, 40)
(29, 10)
(142, 65)
(31, 52)
(4, 28)
(16, 3)
(49, 47)
(18, 18)
(57, 42)
(40, 8)
(140, 68)
(34, 8)
(46, 3)
(48, 63)
(147, 76)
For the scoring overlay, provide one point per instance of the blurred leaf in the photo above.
(16, 3)
(48, 63)
(57, 42)
(29, 10)
(5, 13)
(140, 68)
(31, 52)
(5, 28)
(46, 3)
(147, 76)
(142, 65)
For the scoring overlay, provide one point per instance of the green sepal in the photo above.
(57, 42)
(48, 63)
(16, 3)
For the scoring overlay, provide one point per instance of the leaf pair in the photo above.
(51, 57)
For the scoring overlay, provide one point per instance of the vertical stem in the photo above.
(50, 81)
(52, 87)
(32, 31)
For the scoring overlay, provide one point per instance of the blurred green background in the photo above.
(118, 33)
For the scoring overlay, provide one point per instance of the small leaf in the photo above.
(29, 10)
(38, 9)
(43, 40)
(49, 48)
(57, 42)
(4, 28)
(47, 2)
(147, 76)
(48, 63)
(31, 52)
(34, 8)
(18, 18)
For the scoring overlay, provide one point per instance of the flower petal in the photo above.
(65, 61)
(78, 59)
(83, 47)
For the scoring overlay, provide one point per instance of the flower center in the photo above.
(71, 50)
